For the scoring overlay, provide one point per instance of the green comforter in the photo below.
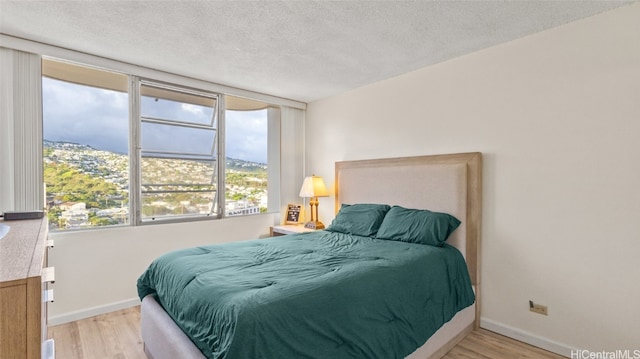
(310, 295)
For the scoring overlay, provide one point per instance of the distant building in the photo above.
(75, 216)
(239, 208)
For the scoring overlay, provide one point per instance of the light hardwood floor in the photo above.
(117, 336)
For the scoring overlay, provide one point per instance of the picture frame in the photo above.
(293, 213)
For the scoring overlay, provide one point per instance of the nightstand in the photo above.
(288, 229)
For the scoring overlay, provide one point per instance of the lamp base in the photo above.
(314, 225)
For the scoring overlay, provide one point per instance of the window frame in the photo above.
(120, 86)
(135, 175)
(136, 151)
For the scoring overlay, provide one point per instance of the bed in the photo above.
(306, 317)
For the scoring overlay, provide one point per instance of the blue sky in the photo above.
(99, 118)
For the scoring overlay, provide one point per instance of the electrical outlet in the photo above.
(538, 308)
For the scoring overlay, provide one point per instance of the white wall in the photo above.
(97, 270)
(557, 117)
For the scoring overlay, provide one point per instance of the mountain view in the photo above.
(87, 187)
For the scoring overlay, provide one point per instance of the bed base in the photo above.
(163, 339)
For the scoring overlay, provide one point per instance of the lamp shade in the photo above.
(313, 186)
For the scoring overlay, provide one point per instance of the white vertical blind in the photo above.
(21, 181)
(292, 157)
(274, 124)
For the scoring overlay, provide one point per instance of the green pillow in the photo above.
(417, 226)
(359, 219)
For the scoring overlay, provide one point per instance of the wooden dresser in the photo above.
(24, 290)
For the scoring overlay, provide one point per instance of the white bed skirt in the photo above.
(163, 339)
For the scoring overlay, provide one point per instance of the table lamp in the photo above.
(312, 188)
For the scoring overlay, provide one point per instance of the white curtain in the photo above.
(291, 157)
(21, 181)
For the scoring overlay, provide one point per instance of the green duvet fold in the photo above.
(310, 295)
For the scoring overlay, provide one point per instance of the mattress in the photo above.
(317, 294)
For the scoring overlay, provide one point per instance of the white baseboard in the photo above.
(93, 311)
(526, 337)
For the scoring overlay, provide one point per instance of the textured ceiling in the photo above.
(300, 50)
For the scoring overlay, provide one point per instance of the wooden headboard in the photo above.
(450, 183)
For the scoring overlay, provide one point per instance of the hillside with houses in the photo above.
(87, 187)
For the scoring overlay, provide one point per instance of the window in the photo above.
(86, 150)
(178, 152)
(198, 154)
(246, 178)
